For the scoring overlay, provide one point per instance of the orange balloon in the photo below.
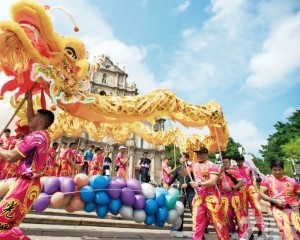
(76, 204)
(57, 200)
(81, 180)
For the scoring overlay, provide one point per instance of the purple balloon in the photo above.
(139, 202)
(114, 190)
(127, 196)
(42, 202)
(67, 185)
(52, 185)
(135, 185)
(120, 181)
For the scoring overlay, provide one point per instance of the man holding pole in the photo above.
(32, 154)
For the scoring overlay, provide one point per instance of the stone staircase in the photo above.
(59, 217)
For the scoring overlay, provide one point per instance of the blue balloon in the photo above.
(160, 199)
(87, 194)
(89, 206)
(159, 223)
(99, 182)
(115, 206)
(149, 220)
(151, 206)
(101, 198)
(161, 190)
(101, 211)
(162, 214)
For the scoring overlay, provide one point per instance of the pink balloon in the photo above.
(81, 180)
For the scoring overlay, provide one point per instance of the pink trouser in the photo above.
(15, 205)
(288, 222)
(121, 172)
(250, 196)
(233, 210)
(208, 205)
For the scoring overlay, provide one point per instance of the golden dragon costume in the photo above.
(31, 51)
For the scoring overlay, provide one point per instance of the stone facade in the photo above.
(110, 80)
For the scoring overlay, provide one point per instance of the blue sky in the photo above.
(243, 54)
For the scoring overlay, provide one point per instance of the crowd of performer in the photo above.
(218, 195)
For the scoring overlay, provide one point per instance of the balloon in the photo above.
(114, 189)
(120, 181)
(151, 206)
(177, 223)
(57, 200)
(101, 198)
(127, 196)
(160, 199)
(4, 186)
(126, 212)
(148, 190)
(179, 207)
(43, 180)
(67, 185)
(99, 182)
(139, 202)
(162, 214)
(51, 185)
(87, 194)
(149, 220)
(172, 216)
(75, 204)
(101, 211)
(81, 180)
(42, 202)
(115, 206)
(161, 190)
(159, 223)
(139, 216)
(135, 185)
(89, 206)
(174, 192)
(170, 201)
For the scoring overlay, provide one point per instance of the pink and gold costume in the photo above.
(5, 143)
(165, 176)
(11, 167)
(232, 204)
(287, 218)
(207, 202)
(96, 165)
(51, 163)
(122, 168)
(250, 195)
(25, 190)
(78, 163)
(66, 166)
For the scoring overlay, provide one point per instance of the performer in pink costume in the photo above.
(51, 161)
(96, 164)
(250, 193)
(32, 154)
(121, 163)
(207, 202)
(68, 161)
(281, 192)
(230, 181)
(166, 173)
(5, 143)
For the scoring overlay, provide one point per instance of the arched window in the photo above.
(102, 93)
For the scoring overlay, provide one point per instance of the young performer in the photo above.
(281, 191)
(121, 163)
(32, 154)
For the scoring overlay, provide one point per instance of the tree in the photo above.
(291, 149)
(262, 165)
(170, 154)
(285, 132)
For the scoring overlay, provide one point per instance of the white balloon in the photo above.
(179, 207)
(139, 216)
(148, 190)
(177, 223)
(173, 215)
(126, 212)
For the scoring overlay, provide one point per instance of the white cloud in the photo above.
(280, 57)
(289, 111)
(246, 133)
(183, 6)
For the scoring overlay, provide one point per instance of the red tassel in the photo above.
(43, 100)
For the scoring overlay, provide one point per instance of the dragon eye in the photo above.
(71, 52)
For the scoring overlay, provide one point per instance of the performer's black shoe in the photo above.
(251, 237)
(259, 233)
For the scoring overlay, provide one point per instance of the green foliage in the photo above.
(262, 165)
(170, 154)
(285, 132)
(291, 149)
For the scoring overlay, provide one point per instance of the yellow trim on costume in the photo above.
(22, 154)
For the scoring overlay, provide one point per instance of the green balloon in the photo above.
(174, 192)
(170, 201)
